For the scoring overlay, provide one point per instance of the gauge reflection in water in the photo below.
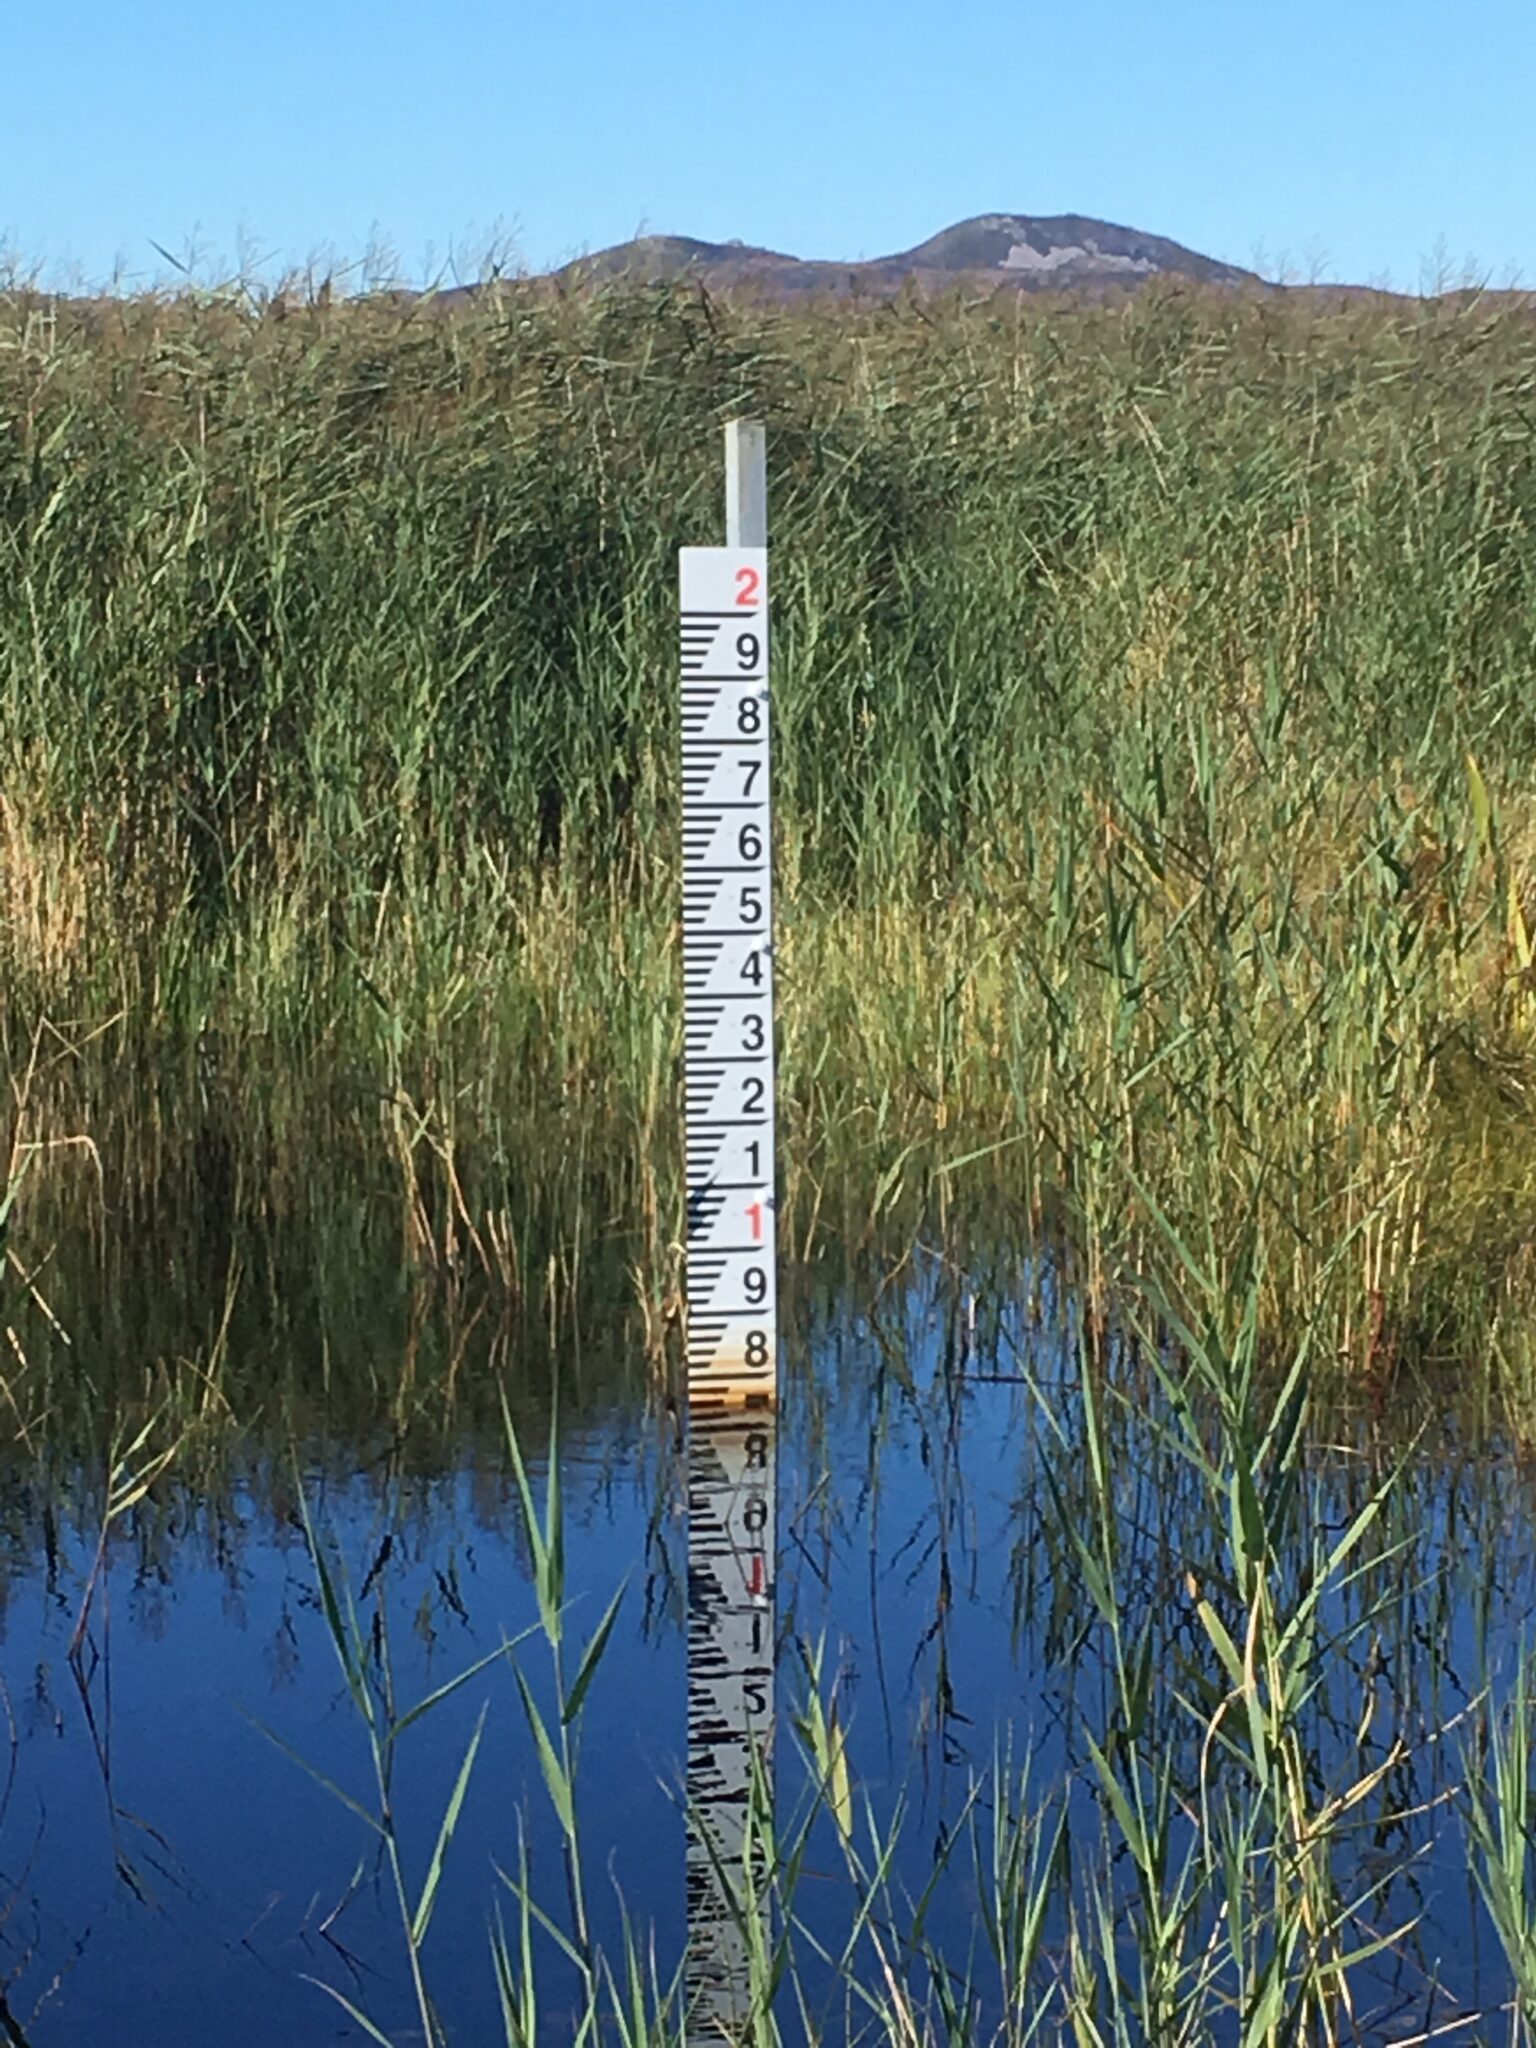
(730, 1706)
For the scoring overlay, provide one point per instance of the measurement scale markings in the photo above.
(709, 1602)
(703, 1627)
(754, 1432)
(726, 1548)
(703, 1185)
(696, 717)
(751, 1674)
(731, 1344)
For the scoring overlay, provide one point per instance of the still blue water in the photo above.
(177, 1866)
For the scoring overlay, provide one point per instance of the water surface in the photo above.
(178, 1860)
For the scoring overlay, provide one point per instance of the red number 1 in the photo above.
(755, 1213)
(747, 581)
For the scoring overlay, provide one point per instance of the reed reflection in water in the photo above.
(1011, 1553)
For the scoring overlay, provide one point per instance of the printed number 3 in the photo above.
(747, 581)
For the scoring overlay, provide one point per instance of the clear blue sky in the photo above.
(1365, 141)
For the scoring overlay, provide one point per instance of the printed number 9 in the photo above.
(748, 648)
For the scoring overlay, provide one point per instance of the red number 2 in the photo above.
(747, 581)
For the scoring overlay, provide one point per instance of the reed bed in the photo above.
(1153, 725)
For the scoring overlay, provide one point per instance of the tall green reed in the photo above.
(368, 1675)
(1501, 1839)
(1130, 662)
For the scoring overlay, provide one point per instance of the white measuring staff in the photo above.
(728, 946)
(732, 1292)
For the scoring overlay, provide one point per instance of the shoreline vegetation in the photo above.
(1155, 847)
(1153, 725)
